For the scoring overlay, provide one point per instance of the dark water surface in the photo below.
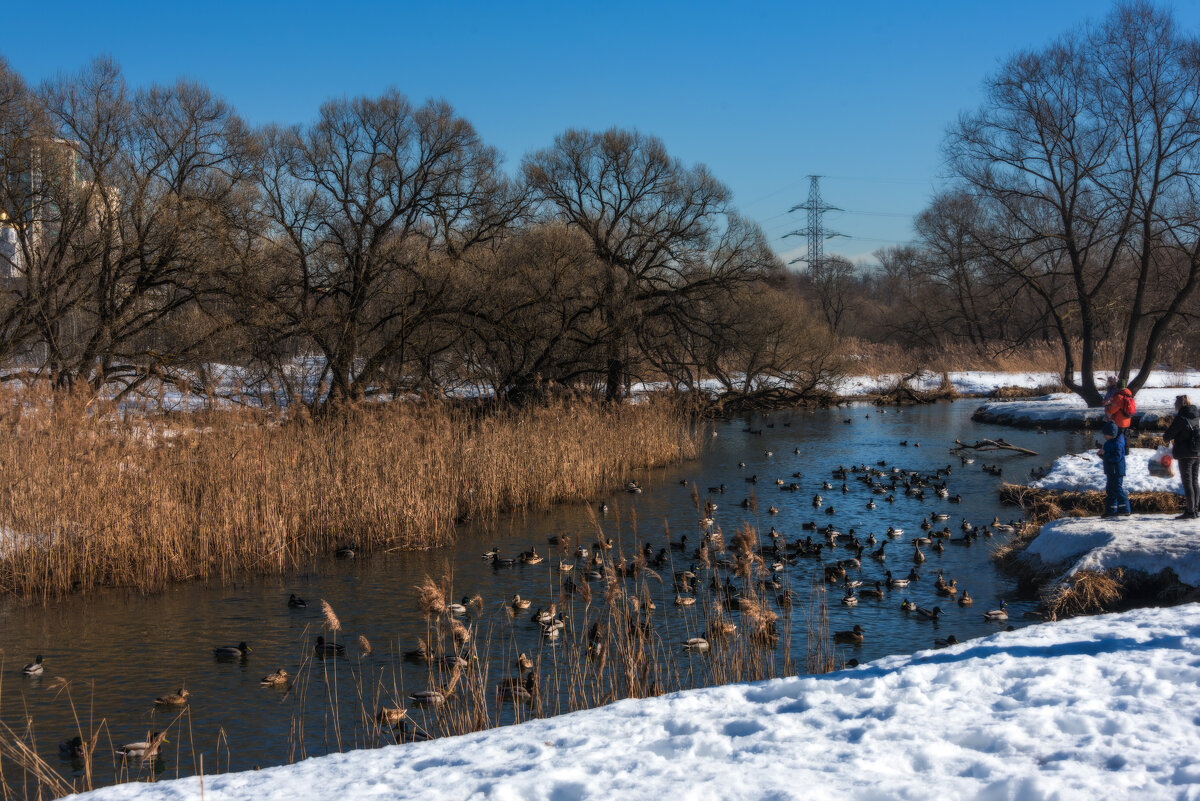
(120, 651)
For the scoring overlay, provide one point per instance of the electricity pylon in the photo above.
(815, 233)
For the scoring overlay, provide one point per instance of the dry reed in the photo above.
(95, 497)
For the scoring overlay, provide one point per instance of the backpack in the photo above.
(1191, 437)
(1130, 407)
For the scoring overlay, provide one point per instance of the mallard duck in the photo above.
(323, 649)
(950, 640)
(492, 554)
(72, 749)
(698, 644)
(173, 699)
(524, 662)
(345, 552)
(296, 603)
(918, 557)
(948, 589)
(997, 614)
(850, 599)
(34, 668)
(895, 583)
(913, 575)
(276, 679)
(908, 606)
(966, 599)
(459, 609)
(428, 697)
(929, 614)
(876, 594)
(391, 715)
(855, 635)
(519, 604)
(238, 651)
(518, 689)
(143, 749)
(531, 557)
(684, 600)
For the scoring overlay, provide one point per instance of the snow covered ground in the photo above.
(1081, 472)
(1145, 544)
(1103, 707)
(1067, 410)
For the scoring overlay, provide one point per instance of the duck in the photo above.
(544, 616)
(178, 698)
(391, 715)
(855, 635)
(894, 583)
(696, 644)
(492, 554)
(918, 557)
(948, 590)
(913, 575)
(459, 609)
(428, 697)
(849, 599)
(946, 643)
(966, 599)
(323, 649)
(929, 614)
(518, 689)
(908, 606)
(276, 679)
(997, 614)
(345, 552)
(72, 749)
(238, 651)
(684, 600)
(524, 662)
(876, 593)
(34, 668)
(143, 749)
(519, 604)
(531, 557)
(297, 603)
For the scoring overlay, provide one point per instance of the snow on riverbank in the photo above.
(1082, 472)
(1066, 410)
(1100, 707)
(1147, 544)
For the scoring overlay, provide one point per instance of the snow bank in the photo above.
(1142, 543)
(1099, 707)
(1081, 472)
(1067, 410)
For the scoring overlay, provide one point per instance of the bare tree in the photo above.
(364, 214)
(1085, 159)
(664, 233)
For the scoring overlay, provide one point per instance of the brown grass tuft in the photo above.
(1086, 592)
(331, 619)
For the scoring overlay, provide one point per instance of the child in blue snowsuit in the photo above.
(1116, 501)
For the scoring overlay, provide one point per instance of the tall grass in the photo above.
(93, 497)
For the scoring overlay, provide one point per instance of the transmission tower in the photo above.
(815, 233)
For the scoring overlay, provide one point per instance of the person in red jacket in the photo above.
(1120, 409)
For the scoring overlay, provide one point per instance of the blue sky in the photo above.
(763, 93)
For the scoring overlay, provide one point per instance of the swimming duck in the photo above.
(323, 649)
(143, 749)
(876, 593)
(855, 635)
(173, 699)
(297, 603)
(531, 557)
(428, 697)
(391, 715)
(544, 616)
(895, 583)
(71, 749)
(966, 599)
(345, 552)
(524, 662)
(697, 644)
(276, 679)
(950, 589)
(997, 614)
(850, 599)
(929, 614)
(238, 651)
(34, 668)
(918, 557)
(492, 554)
(950, 640)
(908, 606)
(519, 604)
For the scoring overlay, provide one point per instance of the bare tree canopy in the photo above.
(1083, 160)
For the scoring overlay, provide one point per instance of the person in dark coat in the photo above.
(1112, 454)
(1184, 436)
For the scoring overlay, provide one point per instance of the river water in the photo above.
(118, 651)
